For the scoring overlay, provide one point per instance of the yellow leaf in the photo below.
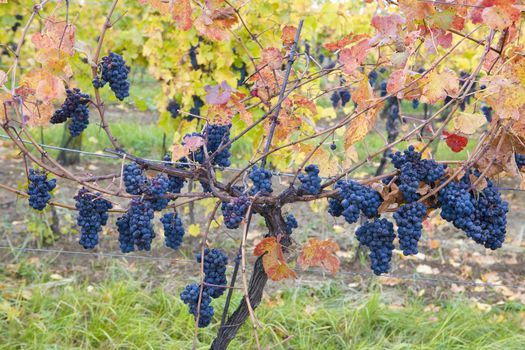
(468, 123)
(358, 129)
(194, 230)
(438, 85)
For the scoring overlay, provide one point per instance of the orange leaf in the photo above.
(304, 102)
(288, 35)
(181, 14)
(353, 57)
(279, 271)
(320, 253)
(272, 57)
(273, 259)
(56, 35)
(178, 151)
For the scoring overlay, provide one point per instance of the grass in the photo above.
(39, 312)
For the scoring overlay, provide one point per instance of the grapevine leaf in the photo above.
(218, 94)
(214, 22)
(416, 10)
(56, 35)
(358, 129)
(273, 259)
(468, 123)
(438, 85)
(279, 270)
(455, 142)
(320, 253)
(396, 82)
(387, 28)
(497, 14)
(272, 57)
(46, 86)
(300, 101)
(288, 35)
(339, 44)
(268, 245)
(353, 57)
(193, 143)
(505, 92)
(194, 230)
(181, 14)
(244, 114)
(179, 151)
(498, 157)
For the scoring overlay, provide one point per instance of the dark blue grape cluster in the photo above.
(333, 146)
(311, 182)
(382, 88)
(190, 297)
(372, 77)
(243, 73)
(206, 188)
(487, 112)
(378, 236)
(174, 108)
(173, 230)
(392, 120)
(156, 189)
(215, 262)
(196, 109)
(482, 216)
(409, 220)
(125, 237)
(235, 211)
(134, 179)
(75, 107)
(113, 69)
(291, 223)
(520, 160)
(175, 183)
(413, 170)
(262, 181)
(38, 189)
(216, 136)
(135, 227)
(193, 57)
(415, 103)
(92, 215)
(340, 97)
(353, 199)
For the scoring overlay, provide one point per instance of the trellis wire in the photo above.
(101, 155)
(405, 277)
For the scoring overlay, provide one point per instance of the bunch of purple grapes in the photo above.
(92, 215)
(113, 70)
(74, 108)
(38, 189)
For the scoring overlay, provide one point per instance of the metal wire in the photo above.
(405, 277)
(106, 255)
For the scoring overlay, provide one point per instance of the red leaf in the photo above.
(456, 142)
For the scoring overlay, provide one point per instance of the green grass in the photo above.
(37, 312)
(143, 140)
